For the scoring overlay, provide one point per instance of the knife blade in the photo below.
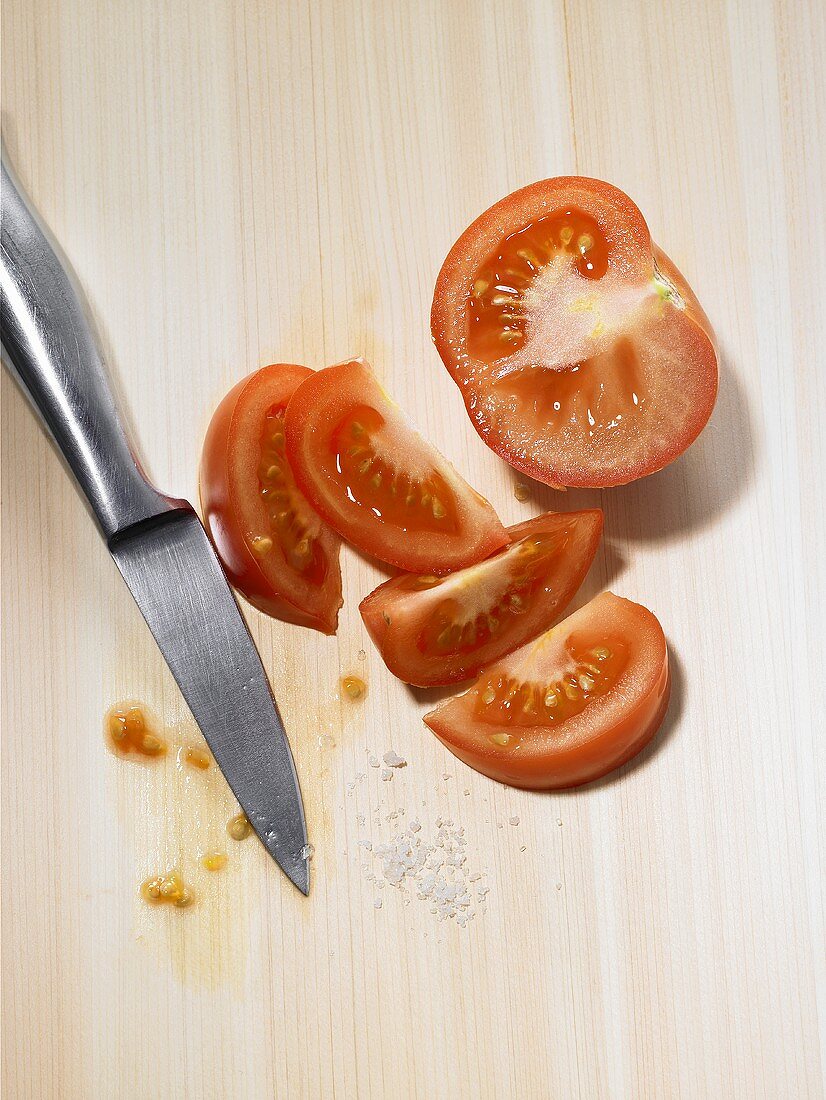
(158, 544)
(172, 572)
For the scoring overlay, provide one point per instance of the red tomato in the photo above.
(432, 630)
(274, 547)
(377, 482)
(569, 706)
(582, 355)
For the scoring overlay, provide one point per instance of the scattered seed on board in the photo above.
(239, 827)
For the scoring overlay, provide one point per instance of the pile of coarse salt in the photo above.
(435, 871)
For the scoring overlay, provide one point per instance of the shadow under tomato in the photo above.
(609, 564)
(387, 571)
(432, 696)
(689, 494)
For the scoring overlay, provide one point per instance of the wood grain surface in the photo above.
(242, 182)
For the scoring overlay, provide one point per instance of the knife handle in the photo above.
(50, 347)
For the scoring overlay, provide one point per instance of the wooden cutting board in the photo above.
(237, 183)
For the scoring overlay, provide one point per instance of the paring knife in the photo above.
(158, 543)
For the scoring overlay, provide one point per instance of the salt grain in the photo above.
(393, 760)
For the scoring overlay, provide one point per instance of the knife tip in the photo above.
(297, 871)
(299, 876)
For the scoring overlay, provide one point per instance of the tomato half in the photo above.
(582, 355)
(569, 706)
(377, 482)
(274, 547)
(432, 630)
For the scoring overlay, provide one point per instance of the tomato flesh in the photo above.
(275, 549)
(433, 630)
(583, 357)
(568, 707)
(391, 494)
(377, 483)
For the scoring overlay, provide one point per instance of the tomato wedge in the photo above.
(582, 355)
(274, 547)
(432, 630)
(569, 706)
(377, 482)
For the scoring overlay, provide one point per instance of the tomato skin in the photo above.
(225, 524)
(660, 329)
(349, 393)
(606, 734)
(395, 616)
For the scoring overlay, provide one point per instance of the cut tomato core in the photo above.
(590, 397)
(449, 630)
(498, 314)
(392, 495)
(592, 671)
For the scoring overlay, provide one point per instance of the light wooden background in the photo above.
(237, 183)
